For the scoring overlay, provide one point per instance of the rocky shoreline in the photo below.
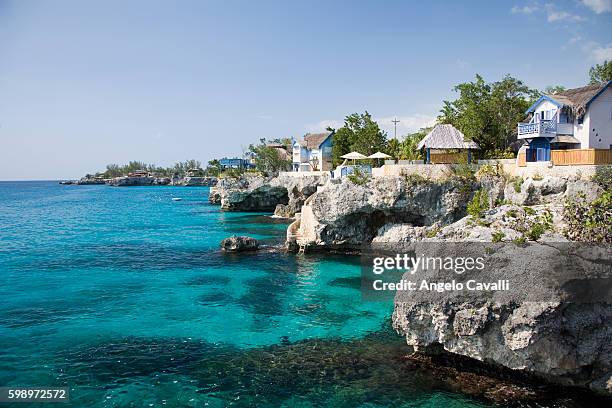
(126, 181)
(556, 342)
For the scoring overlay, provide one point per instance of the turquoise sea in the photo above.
(122, 295)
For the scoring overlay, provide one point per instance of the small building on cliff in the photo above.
(446, 144)
(313, 152)
(570, 127)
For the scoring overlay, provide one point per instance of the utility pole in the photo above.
(395, 122)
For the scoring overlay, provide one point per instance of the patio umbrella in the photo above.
(354, 156)
(379, 155)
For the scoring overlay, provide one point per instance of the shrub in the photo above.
(498, 236)
(511, 213)
(535, 231)
(603, 177)
(433, 232)
(479, 204)
(589, 222)
(358, 177)
(499, 202)
(529, 210)
(517, 183)
(520, 240)
(414, 179)
(463, 171)
(499, 154)
(488, 170)
(537, 177)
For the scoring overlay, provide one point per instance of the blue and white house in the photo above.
(578, 118)
(313, 152)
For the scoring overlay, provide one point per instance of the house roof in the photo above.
(576, 100)
(314, 140)
(446, 137)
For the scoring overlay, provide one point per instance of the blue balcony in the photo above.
(537, 129)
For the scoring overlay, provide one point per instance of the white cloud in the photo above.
(600, 54)
(554, 15)
(461, 63)
(407, 124)
(324, 124)
(598, 6)
(524, 10)
(597, 52)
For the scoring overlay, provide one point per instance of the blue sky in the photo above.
(85, 83)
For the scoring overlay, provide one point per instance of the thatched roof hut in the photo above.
(446, 137)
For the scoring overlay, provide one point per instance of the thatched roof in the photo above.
(576, 100)
(314, 140)
(446, 137)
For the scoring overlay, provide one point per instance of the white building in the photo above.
(313, 153)
(578, 118)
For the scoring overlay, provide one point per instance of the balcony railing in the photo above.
(546, 127)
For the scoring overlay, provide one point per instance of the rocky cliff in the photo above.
(561, 342)
(284, 194)
(533, 328)
(344, 216)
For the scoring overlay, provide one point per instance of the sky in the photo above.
(88, 83)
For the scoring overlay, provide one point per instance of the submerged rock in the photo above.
(239, 244)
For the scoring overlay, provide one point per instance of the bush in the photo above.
(358, 177)
(479, 204)
(499, 154)
(537, 177)
(498, 236)
(529, 210)
(520, 240)
(433, 232)
(517, 183)
(589, 222)
(535, 231)
(603, 177)
(414, 179)
(489, 170)
(463, 171)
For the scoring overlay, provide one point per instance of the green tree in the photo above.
(554, 89)
(213, 168)
(393, 148)
(267, 159)
(360, 133)
(408, 147)
(488, 113)
(601, 73)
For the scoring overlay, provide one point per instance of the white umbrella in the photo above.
(354, 156)
(379, 155)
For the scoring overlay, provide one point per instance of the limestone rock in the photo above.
(239, 244)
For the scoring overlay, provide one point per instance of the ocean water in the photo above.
(122, 295)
